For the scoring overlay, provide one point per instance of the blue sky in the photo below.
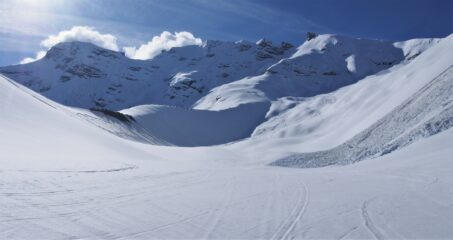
(25, 23)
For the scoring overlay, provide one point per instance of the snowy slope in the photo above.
(205, 192)
(328, 120)
(83, 75)
(428, 112)
(319, 66)
(188, 127)
(40, 134)
(414, 47)
(334, 61)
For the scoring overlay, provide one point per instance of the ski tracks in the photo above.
(218, 212)
(368, 222)
(296, 215)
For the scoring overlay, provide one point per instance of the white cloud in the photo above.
(38, 56)
(76, 33)
(165, 41)
(83, 34)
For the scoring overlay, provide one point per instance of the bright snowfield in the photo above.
(338, 138)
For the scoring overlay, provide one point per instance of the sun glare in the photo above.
(32, 3)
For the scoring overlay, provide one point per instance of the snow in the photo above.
(426, 113)
(42, 134)
(331, 119)
(83, 75)
(201, 193)
(206, 166)
(350, 64)
(187, 127)
(321, 65)
(181, 77)
(414, 47)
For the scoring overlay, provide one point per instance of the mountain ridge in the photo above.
(172, 77)
(83, 75)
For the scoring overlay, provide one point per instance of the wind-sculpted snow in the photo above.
(428, 112)
(413, 48)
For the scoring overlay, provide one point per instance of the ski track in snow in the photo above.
(348, 233)
(296, 215)
(368, 222)
(77, 171)
(218, 212)
(237, 203)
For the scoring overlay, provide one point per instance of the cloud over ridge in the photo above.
(38, 56)
(76, 33)
(164, 41)
(83, 34)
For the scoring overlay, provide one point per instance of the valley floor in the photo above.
(406, 194)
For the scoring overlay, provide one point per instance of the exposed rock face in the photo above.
(311, 35)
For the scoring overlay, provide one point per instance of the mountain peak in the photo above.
(79, 49)
(264, 42)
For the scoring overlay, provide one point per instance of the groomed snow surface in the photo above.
(370, 160)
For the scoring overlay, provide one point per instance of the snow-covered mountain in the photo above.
(190, 143)
(256, 89)
(420, 112)
(211, 76)
(319, 66)
(84, 75)
(335, 117)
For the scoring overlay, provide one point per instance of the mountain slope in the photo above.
(328, 120)
(93, 191)
(208, 76)
(40, 134)
(427, 111)
(83, 75)
(319, 66)
(78, 74)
